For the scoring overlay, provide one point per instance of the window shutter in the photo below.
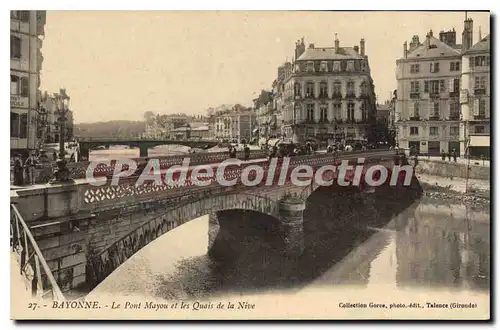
(451, 85)
(476, 107)
(24, 87)
(411, 109)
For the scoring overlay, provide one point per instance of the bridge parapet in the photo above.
(58, 200)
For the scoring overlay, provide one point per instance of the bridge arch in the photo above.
(102, 263)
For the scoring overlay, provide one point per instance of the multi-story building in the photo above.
(329, 95)
(25, 65)
(235, 124)
(475, 99)
(428, 92)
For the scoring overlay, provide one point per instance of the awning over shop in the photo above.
(479, 141)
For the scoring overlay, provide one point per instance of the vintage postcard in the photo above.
(250, 165)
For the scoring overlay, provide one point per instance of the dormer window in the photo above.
(323, 67)
(336, 66)
(297, 67)
(310, 66)
(350, 65)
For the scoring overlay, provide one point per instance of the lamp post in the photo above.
(61, 174)
(41, 124)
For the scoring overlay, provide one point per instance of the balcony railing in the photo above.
(323, 96)
(479, 91)
(31, 260)
(434, 95)
(415, 118)
(309, 95)
(454, 94)
(337, 95)
(434, 118)
(350, 94)
(480, 117)
(454, 117)
(414, 95)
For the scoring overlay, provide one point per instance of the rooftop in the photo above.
(328, 53)
(437, 49)
(482, 46)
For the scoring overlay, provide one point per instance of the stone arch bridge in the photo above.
(85, 145)
(86, 232)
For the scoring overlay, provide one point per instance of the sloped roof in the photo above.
(482, 46)
(328, 53)
(438, 49)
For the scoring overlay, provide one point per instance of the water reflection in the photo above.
(426, 245)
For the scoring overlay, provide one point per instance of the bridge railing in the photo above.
(127, 191)
(79, 170)
(32, 264)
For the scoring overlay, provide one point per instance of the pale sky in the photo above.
(119, 64)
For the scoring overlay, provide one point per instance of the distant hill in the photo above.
(114, 128)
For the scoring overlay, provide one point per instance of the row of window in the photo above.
(19, 86)
(454, 130)
(331, 66)
(434, 67)
(435, 86)
(439, 86)
(323, 88)
(435, 110)
(434, 131)
(337, 110)
(20, 15)
(479, 109)
(479, 61)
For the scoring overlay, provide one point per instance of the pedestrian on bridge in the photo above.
(30, 165)
(246, 151)
(18, 171)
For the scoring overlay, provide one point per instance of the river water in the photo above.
(429, 245)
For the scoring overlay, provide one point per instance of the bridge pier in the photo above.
(143, 151)
(224, 235)
(291, 225)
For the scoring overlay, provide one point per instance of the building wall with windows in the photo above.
(25, 65)
(236, 123)
(329, 94)
(475, 99)
(428, 88)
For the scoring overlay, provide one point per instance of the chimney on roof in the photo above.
(430, 33)
(449, 37)
(300, 48)
(356, 49)
(405, 49)
(311, 45)
(337, 44)
(480, 34)
(428, 41)
(415, 42)
(362, 47)
(467, 34)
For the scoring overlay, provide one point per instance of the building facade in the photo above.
(432, 106)
(329, 95)
(25, 64)
(475, 99)
(235, 124)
